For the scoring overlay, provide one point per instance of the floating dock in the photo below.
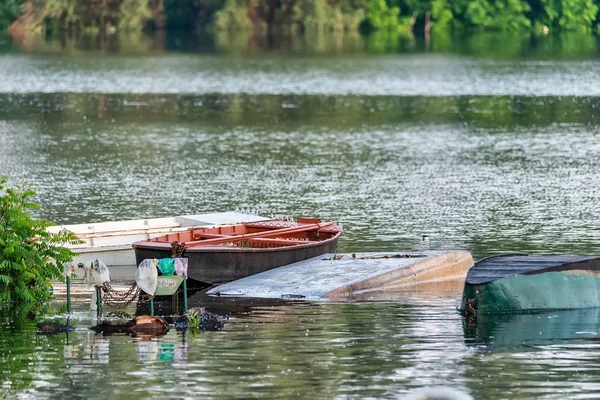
(350, 276)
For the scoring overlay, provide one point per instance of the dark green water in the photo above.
(488, 144)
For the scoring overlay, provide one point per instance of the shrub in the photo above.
(30, 256)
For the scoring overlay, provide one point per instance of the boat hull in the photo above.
(215, 265)
(117, 255)
(357, 276)
(111, 242)
(555, 290)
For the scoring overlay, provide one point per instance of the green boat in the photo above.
(523, 283)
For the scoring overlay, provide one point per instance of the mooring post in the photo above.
(68, 294)
(152, 306)
(98, 301)
(185, 295)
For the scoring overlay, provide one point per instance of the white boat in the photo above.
(111, 242)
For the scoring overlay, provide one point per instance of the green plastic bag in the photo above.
(166, 266)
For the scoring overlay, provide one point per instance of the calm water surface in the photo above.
(485, 151)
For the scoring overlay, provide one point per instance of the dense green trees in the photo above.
(109, 16)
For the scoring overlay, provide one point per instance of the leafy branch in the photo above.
(30, 256)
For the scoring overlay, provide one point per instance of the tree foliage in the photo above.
(83, 16)
(494, 15)
(30, 256)
(501, 15)
(233, 16)
(107, 16)
(381, 16)
(9, 11)
(578, 15)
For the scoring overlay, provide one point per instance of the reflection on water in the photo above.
(546, 355)
(419, 74)
(524, 45)
(320, 350)
(538, 329)
(357, 350)
(327, 65)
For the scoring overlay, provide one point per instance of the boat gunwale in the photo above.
(558, 267)
(234, 249)
(90, 230)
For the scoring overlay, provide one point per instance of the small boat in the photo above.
(356, 276)
(229, 252)
(521, 283)
(111, 241)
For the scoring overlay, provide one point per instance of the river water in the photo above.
(491, 148)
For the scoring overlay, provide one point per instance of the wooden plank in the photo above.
(342, 276)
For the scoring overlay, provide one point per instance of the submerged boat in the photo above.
(111, 241)
(229, 252)
(356, 276)
(521, 283)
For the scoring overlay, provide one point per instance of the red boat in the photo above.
(228, 252)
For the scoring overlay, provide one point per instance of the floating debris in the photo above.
(200, 319)
(143, 325)
(293, 296)
(52, 328)
(377, 257)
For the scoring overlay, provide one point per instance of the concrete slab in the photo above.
(344, 276)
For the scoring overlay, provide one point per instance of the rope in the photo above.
(470, 311)
(146, 298)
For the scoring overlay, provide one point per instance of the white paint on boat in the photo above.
(111, 241)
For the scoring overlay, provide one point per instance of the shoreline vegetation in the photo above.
(30, 256)
(107, 17)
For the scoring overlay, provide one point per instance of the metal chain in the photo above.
(117, 299)
(177, 249)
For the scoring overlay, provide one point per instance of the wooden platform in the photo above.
(346, 276)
